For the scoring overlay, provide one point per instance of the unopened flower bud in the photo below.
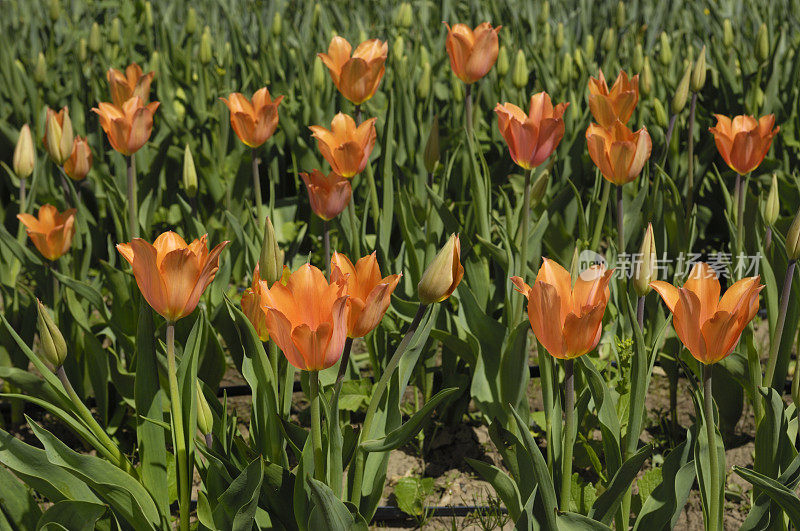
(521, 72)
(544, 12)
(660, 113)
(502, 61)
(443, 274)
(772, 206)
(425, 57)
(24, 157)
(646, 268)
(609, 39)
(566, 69)
(646, 79)
(205, 420)
(404, 16)
(638, 58)
(362, 35)
(589, 46)
(559, 35)
(699, 72)
(277, 24)
(577, 55)
(270, 263)
(148, 13)
(727, 33)
(682, 91)
(621, 14)
(83, 50)
(189, 173)
(54, 10)
(398, 48)
(115, 35)
(154, 62)
(318, 74)
(424, 83)
(539, 187)
(458, 89)
(58, 135)
(793, 238)
(95, 40)
(191, 21)
(79, 163)
(431, 154)
(205, 54)
(40, 70)
(762, 44)
(52, 346)
(666, 49)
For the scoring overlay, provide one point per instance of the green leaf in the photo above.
(236, 508)
(785, 498)
(503, 485)
(648, 482)
(578, 522)
(665, 504)
(329, 512)
(607, 503)
(411, 493)
(606, 414)
(16, 501)
(72, 516)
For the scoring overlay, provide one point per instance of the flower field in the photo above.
(459, 264)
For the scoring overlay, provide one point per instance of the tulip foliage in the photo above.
(381, 228)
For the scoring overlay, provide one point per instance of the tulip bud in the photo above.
(666, 50)
(154, 60)
(682, 91)
(424, 55)
(699, 72)
(40, 70)
(315, 15)
(177, 103)
(646, 79)
(24, 156)
(189, 173)
(148, 13)
(578, 57)
(424, 83)
(443, 274)
(52, 346)
(727, 33)
(277, 24)
(546, 41)
(638, 58)
(646, 270)
(793, 238)
(431, 155)
(115, 35)
(318, 75)
(404, 16)
(205, 420)
(205, 55)
(95, 41)
(458, 89)
(502, 61)
(82, 50)
(521, 73)
(661, 113)
(362, 35)
(270, 263)
(539, 187)
(772, 206)
(588, 46)
(560, 35)
(609, 39)
(191, 21)
(621, 15)
(398, 48)
(54, 10)
(544, 12)
(574, 264)
(762, 44)
(59, 137)
(566, 69)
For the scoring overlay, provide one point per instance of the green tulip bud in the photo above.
(666, 50)
(431, 154)
(189, 173)
(404, 15)
(546, 41)
(155, 58)
(544, 12)
(575, 264)
(318, 74)
(560, 35)
(621, 15)
(539, 187)
(699, 72)
(443, 274)
(270, 262)
(40, 70)
(577, 55)
(521, 72)
(178, 105)
(566, 69)
(398, 48)
(793, 238)
(589, 46)
(660, 113)
(425, 56)
(24, 156)
(402, 67)
(315, 15)
(205, 54)
(772, 206)
(682, 91)
(458, 89)
(609, 39)
(646, 79)
(54, 10)
(52, 346)
(362, 35)
(638, 58)
(727, 33)
(277, 24)
(762, 44)
(115, 35)
(191, 21)
(205, 420)
(424, 83)
(95, 40)
(82, 50)
(148, 13)
(502, 61)
(647, 264)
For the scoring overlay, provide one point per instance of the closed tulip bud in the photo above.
(205, 54)
(318, 75)
(315, 14)
(646, 270)
(40, 70)
(148, 13)
(115, 35)
(443, 274)
(52, 346)
(560, 35)
(270, 262)
(205, 420)
(398, 48)
(521, 72)
(95, 41)
(82, 50)
(362, 35)
(646, 79)
(277, 24)
(189, 173)
(727, 33)
(539, 188)
(621, 15)
(638, 58)
(699, 72)
(404, 16)
(424, 55)
(424, 83)
(682, 91)
(503, 64)
(609, 39)
(544, 13)
(772, 206)
(762, 44)
(660, 113)
(566, 69)
(58, 135)
(589, 46)
(24, 156)
(458, 90)
(79, 163)
(431, 155)
(546, 41)
(578, 57)
(54, 10)
(793, 238)
(154, 62)
(191, 21)
(666, 50)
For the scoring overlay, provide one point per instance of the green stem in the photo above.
(326, 238)
(316, 426)
(22, 198)
(523, 244)
(708, 406)
(468, 109)
(690, 191)
(133, 201)
(741, 200)
(598, 228)
(569, 430)
(776, 337)
(256, 184)
(620, 223)
(670, 129)
(179, 440)
(546, 379)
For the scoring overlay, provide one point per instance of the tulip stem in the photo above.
(768, 239)
(569, 431)
(22, 198)
(348, 344)
(316, 426)
(468, 109)
(358, 115)
(326, 237)
(776, 336)
(256, 184)
(598, 228)
(133, 202)
(377, 394)
(178, 438)
(640, 314)
(209, 437)
(708, 406)
(690, 167)
(669, 138)
(523, 244)
(620, 223)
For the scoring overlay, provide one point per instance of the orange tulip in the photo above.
(58, 134)
(443, 274)
(567, 320)
(608, 106)
(346, 147)
(472, 53)
(357, 77)
(329, 195)
(369, 293)
(707, 325)
(253, 122)
(128, 127)
(744, 141)
(80, 162)
(307, 318)
(251, 307)
(618, 152)
(533, 137)
(171, 274)
(126, 85)
(52, 231)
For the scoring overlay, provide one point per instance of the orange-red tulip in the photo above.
(132, 82)
(608, 106)
(744, 141)
(251, 307)
(357, 77)
(307, 318)
(617, 151)
(58, 134)
(346, 147)
(128, 127)
(707, 325)
(254, 122)
(533, 137)
(328, 194)
(52, 231)
(80, 162)
(369, 293)
(567, 320)
(171, 274)
(472, 53)
(443, 274)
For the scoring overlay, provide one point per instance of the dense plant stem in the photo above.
(620, 223)
(348, 345)
(133, 201)
(741, 200)
(326, 238)
(256, 184)
(468, 110)
(523, 243)
(601, 213)
(569, 429)
(179, 440)
(209, 437)
(373, 190)
(358, 114)
(776, 336)
(22, 195)
(640, 314)
(377, 394)
(690, 153)
(708, 406)
(316, 426)
(670, 129)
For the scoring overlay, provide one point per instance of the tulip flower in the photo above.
(329, 195)
(533, 137)
(608, 106)
(58, 135)
(80, 161)
(356, 77)
(24, 157)
(744, 141)
(254, 122)
(707, 325)
(346, 147)
(617, 151)
(52, 231)
(443, 274)
(369, 294)
(126, 85)
(251, 307)
(472, 53)
(128, 127)
(171, 274)
(307, 317)
(567, 320)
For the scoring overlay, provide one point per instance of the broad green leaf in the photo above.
(502, 484)
(72, 516)
(329, 512)
(785, 498)
(607, 503)
(16, 501)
